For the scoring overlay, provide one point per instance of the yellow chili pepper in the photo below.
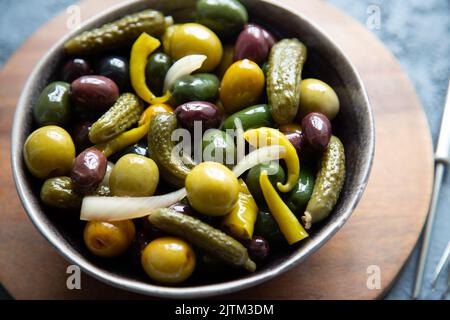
(290, 227)
(140, 51)
(123, 140)
(264, 136)
(240, 222)
(132, 136)
(150, 112)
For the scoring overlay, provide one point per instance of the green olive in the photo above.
(58, 193)
(212, 189)
(297, 199)
(134, 176)
(267, 227)
(218, 146)
(168, 260)
(251, 117)
(109, 239)
(275, 172)
(157, 66)
(192, 38)
(53, 105)
(197, 87)
(225, 17)
(49, 152)
(317, 96)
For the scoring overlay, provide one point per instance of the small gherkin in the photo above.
(116, 34)
(121, 116)
(329, 183)
(284, 76)
(213, 241)
(173, 169)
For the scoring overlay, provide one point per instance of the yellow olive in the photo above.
(192, 38)
(241, 85)
(168, 260)
(212, 188)
(134, 176)
(317, 96)
(49, 152)
(109, 239)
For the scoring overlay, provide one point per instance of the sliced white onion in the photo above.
(182, 67)
(259, 156)
(105, 181)
(123, 208)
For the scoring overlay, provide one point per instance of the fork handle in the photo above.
(443, 146)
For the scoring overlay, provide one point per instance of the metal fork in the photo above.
(442, 160)
(441, 266)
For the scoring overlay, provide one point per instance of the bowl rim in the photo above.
(74, 257)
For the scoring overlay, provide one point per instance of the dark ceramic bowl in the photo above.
(354, 126)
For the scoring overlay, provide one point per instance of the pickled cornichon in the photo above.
(133, 135)
(252, 117)
(329, 182)
(197, 87)
(212, 240)
(283, 79)
(160, 145)
(121, 116)
(119, 33)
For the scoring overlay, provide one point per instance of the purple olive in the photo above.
(269, 38)
(296, 138)
(258, 248)
(80, 135)
(295, 135)
(75, 68)
(95, 93)
(253, 43)
(88, 170)
(207, 113)
(317, 130)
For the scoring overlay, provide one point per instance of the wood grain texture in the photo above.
(382, 231)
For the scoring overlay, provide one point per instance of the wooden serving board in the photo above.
(381, 232)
